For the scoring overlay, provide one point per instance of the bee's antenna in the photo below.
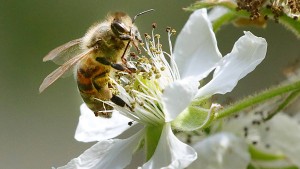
(134, 18)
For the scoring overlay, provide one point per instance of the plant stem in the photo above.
(226, 18)
(258, 98)
(285, 103)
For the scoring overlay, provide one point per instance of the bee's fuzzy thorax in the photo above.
(94, 32)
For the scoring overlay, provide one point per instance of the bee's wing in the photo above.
(52, 77)
(64, 52)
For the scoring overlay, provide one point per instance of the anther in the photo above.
(132, 54)
(147, 36)
(173, 31)
(154, 25)
(168, 29)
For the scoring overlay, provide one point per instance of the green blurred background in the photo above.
(37, 130)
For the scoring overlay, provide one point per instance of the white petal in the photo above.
(177, 96)
(196, 51)
(284, 135)
(281, 133)
(91, 128)
(170, 152)
(113, 153)
(221, 151)
(246, 54)
(216, 13)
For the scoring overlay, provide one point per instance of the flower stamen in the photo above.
(142, 90)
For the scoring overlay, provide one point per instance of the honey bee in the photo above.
(104, 47)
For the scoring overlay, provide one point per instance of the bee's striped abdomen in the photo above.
(92, 81)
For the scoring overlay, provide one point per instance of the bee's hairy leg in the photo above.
(125, 37)
(137, 46)
(103, 114)
(105, 111)
(103, 61)
(116, 66)
(120, 102)
(120, 67)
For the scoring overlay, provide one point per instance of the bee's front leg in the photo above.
(116, 66)
(125, 37)
(131, 38)
(120, 67)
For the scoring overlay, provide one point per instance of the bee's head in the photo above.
(123, 27)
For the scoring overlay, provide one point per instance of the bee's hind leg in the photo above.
(104, 110)
(103, 114)
(120, 102)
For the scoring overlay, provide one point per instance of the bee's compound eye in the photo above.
(119, 28)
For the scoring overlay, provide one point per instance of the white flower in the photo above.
(221, 151)
(160, 91)
(278, 137)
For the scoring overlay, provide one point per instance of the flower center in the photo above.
(142, 89)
